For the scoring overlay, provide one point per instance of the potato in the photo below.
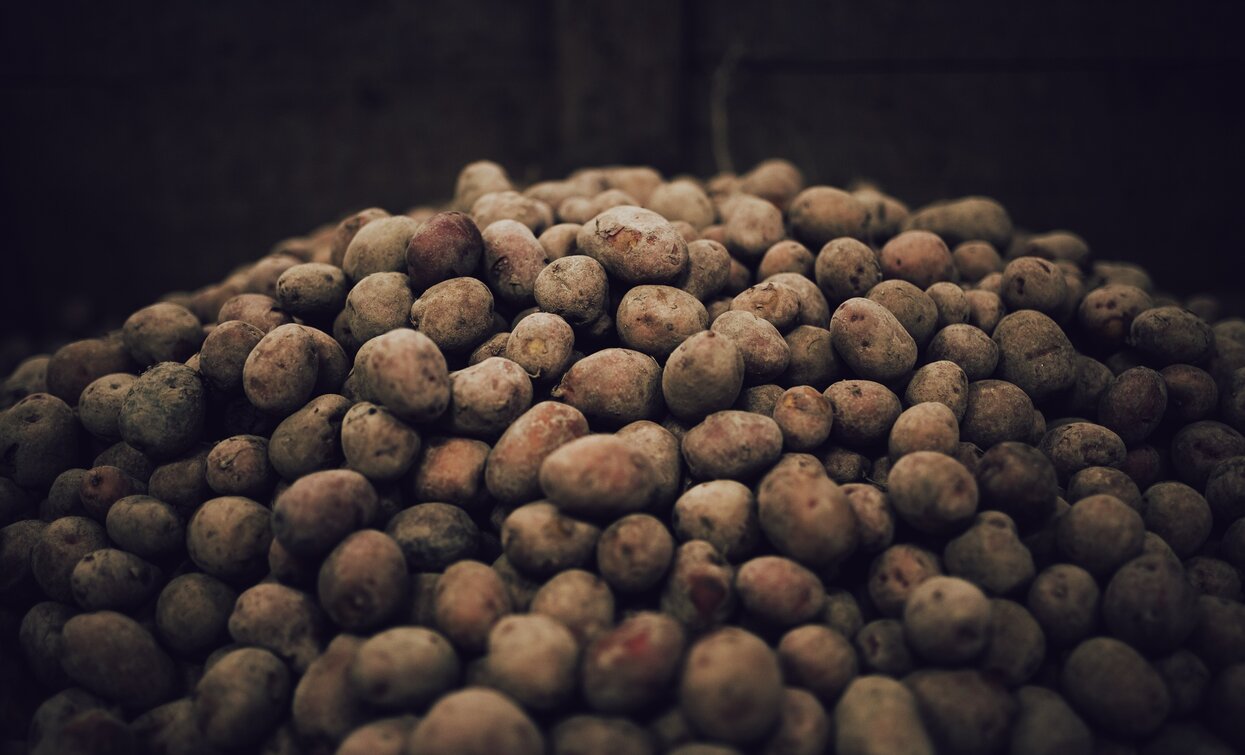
(281, 619)
(883, 649)
(985, 309)
(514, 463)
(240, 466)
(928, 426)
(821, 213)
(228, 538)
(731, 688)
(1150, 604)
(309, 440)
(192, 613)
(779, 591)
(225, 351)
(947, 620)
(280, 373)
(806, 516)
(575, 288)
(533, 659)
(776, 303)
(964, 710)
(787, 256)
(41, 638)
(318, 510)
(613, 386)
(114, 657)
(39, 439)
(74, 366)
(542, 345)
(721, 512)
(1017, 645)
(30, 376)
(966, 219)
(704, 374)
(100, 404)
(559, 240)
(103, 486)
(469, 599)
(457, 314)
(656, 319)
(598, 477)
(1115, 688)
(511, 205)
(324, 708)
(752, 226)
(878, 715)
(732, 444)
(627, 667)
(406, 373)
(1077, 445)
(476, 721)
(1034, 354)
(487, 397)
(588, 733)
(918, 257)
(377, 444)
(404, 668)
(1169, 335)
(1106, 314)
(258, 310)
(113, 579)
(580, 600)
(541, 541)
(766, 355)
(241, 698)
(996, 411)
(1100, 533)
(990, 555)
(635, 245)
(871, 341)
(162, 332)
(708, 270)
(1198, 448)
(805, 417)
(864, 411)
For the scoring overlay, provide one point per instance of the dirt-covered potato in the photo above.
(928, 426)
(434, 535)
(1034, 354)
(111, 579)
(871, 341)
(806, 516)
(613, 386)
(228, 538)
(846, 268)
(1150, 604)
(319, 510)
(805, 417)
(704, 374)
(964, 710)
(1114, 687)
(1170, 335)
(918, 257)
(114, 657)
(1033, 283)
(965, 219)
(100, 404)
(573, 287)
(541, 541)
(103, 486)
(635, 245)
(879, 715)
(731, 688)
(864, 411)
(629, 666)
(932, 492)
(947, 620)
(821, 213)
(787, 256)
(280, 373)
(309, 440)
(996, 411)
(192, 613)
(457, 314)
(598, 477)
(363, 581)
(377, 444)
(1077, 445)
(533, 659)
(542, 344)
(991, 555)
(258, 310)
(721, 512)
(470, 598)
(476, 721)
(162, 332)
(774, 302)
(732, 444)
(379, 247)
(511, 205)
(224, 353)
(634, 553)
(281, 619)
(512, 472)
(1100, 533)
(779, 591)
(766, 355)
(404, 668)
(314, 291)
(656, 319)
(240, 466)
(405, 372)
(485, 398)
(241, 698)
(59, 547)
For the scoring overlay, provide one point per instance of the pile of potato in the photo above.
(622, 464)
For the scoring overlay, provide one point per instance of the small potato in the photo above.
(951, 302)
(281, 619)
(991, 555)
(814, 309)
(819, 659)
(512, 473)
(377, 304)
(103, 486)
(932, 492)
(805, 418)
(708, 269)
(164, 412)
(447, 245)
(363, 581)
(1100, 533)
(404, 668)
(985, 308)
(1034, 354)
(100, 404)
(280, 373)
(627, 667)
(752, 226)
(192, 613)
(434, 535)
(965, 219)
(1178, 514)
(580, 600)
(30, 376)
(575, 288)
(1077, 445)
(42, 642)
(241, 698)
(162, 332)
(846, 268)
(663, 450)
(541, 541)
(114, 657)
(240, 466)
(883, 648)
(656, 319)
(314, 291)
(682, 200)
(406, 373)
(476, 721)
(786, 257)
(779, 591)
(111, 579)
(1095, 480)
(559, 240)
(634, 553)
(1133, 405)
(947, 620)
(377, 444)
(379, 247)
(258, 310)
(766, 355)
(318, 510)
(704, 374)
(533, 659)
(587, 733)
(877, 715)
(976, 259)
(813, 361)
(928, 426)
(1064, 599)
(721, 512)
(996, 411)
(731, 688)
(309, 440)
(875, 518)
(1198, 448)
(223, 355)
(1170, 335)
(940, 381)
(732, 445)
(324, 708)
(806, 516)
(863, 412)
(598, 477)
(1192, 394)
(345, 232)
(541, 344)
(470, 598)
(872, 341)
(457, 314)
(635, 245)
(821, 213)
(1114, 687)
(74, 366)
(1150, 604)
(613, 386)
(511, 205)
(228, 538)
(1033, 283)
(964, 710)
(775, 303)
(918, 257)
(487, 397)
(886, 214)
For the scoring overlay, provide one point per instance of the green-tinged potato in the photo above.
(114, 657)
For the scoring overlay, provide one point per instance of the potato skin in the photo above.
(513, 468)
(625, 668)
(228, 538)
(113, 656)
(281, 619)
(513, 259)
(318, 510)
(223, 355)
(871, 341)
(457, 314)
(613, 386)
(192, 613)
(819, 214)
(470, 598)
(406, 373)
(363, 581)
(599, 477)
(656, 319)
(162, 332)
(731, 444)
(280, 372)
(704, 374)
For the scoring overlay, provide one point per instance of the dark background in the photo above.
(149, 147)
